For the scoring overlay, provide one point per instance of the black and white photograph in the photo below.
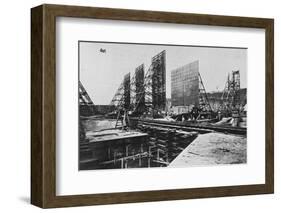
(161, 105)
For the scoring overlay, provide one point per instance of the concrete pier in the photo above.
(212, 149)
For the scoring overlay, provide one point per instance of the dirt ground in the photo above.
(211, 149)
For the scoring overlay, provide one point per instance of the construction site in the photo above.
(142, 128)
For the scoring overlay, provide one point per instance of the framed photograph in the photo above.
(136, 106)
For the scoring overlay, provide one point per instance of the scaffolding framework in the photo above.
(122, 100)
(230, 99)
(86, 105)
(117, 99)
(127, 91)
(159, 81)
(139, 90)
(203, 103)
(145, 91)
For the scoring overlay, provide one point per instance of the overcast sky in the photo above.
(101, 73)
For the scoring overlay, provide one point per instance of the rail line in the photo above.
(194, 127)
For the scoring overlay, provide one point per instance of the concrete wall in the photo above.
(185, 85)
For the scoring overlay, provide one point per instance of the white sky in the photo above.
(102, 73)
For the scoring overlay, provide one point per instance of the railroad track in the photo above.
(195, 127)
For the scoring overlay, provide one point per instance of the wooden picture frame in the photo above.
(43, 105)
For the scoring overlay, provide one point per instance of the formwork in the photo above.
(147, 146)
(117, 149)
(158, 63)
(185, 85)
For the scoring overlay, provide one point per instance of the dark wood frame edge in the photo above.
(43, 105)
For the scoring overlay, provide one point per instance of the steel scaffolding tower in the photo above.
(159, 81)
(144, 92)
(122, 101)
(230, 99)
(204, 104)
(86, 105)
(138, 90)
